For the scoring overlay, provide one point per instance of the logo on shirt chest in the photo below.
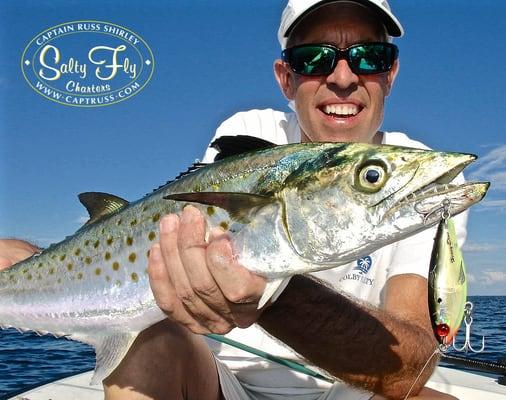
(360, 271)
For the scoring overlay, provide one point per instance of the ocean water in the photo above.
(27, 359)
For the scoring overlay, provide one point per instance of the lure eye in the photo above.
(371, 177)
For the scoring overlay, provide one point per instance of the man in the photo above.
(372, 332)
(380, 347)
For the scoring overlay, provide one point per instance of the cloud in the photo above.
(492, 277)
(491, 167)
(476, 247)
(82, 220)
(491, 205)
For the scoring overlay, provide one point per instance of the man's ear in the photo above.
(285, 78)
(392, 74)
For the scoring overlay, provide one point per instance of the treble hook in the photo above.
(467, 342)
(444, 208)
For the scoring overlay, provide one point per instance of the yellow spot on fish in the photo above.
(86, 242)
(129, 240)
(145, 208)
(148, 253)
(109, 241)
(115, 265)
(120, 221)
(132, 257)
(77, 252)
(25, 270)
(107, 256)
(70, 266)
(51, 271)
(98, 271)
(87, 260)
(156, 217)
(11, 277)
(40, 265)
(134, 222)
(62, 257)
(96, 244)
(210, 211)
(102, 231)
(135, 277)
(152, 235)
(224, 225)
(29, 277)
(118, 283)
(53, 256)
(80, 275)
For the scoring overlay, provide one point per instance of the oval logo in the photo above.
(87, 63)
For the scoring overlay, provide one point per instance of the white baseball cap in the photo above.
(296, 10)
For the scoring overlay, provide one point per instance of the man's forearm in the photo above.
(366, 347)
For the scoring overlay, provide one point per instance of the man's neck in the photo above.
(377, 138)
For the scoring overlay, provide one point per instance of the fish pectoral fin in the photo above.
(238, 205)
(272, 290)
(100, 205)
(110, 349)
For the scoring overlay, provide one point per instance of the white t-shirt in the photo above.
(363, 279)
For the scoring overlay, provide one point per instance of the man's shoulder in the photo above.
(402, 139)
(275, 126)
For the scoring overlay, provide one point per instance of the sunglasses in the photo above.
(321, 59)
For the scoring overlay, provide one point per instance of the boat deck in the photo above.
(461, 384)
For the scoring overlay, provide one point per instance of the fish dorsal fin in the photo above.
(100, 205)
(233, 145)
(238, 205)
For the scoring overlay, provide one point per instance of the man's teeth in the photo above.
(341, 109)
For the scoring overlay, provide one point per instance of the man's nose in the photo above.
(343, 76)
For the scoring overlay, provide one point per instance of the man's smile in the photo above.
(345, 110)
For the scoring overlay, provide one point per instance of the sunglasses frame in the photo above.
(340, 54)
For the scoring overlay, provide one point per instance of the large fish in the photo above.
(288, 209)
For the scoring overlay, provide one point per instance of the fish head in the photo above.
(353, 198)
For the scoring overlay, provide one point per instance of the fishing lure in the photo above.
(447, 283)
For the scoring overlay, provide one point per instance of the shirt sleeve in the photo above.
(271, 125)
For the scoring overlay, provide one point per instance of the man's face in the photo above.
(342, 106)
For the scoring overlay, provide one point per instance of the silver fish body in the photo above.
(288, 209)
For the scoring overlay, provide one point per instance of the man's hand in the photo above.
(13, 251)
(199, 283)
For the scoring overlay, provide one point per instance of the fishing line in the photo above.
(436, 351)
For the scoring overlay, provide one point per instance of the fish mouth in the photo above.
(441, 193)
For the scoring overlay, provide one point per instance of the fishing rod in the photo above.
(296, 366)
(479, 365)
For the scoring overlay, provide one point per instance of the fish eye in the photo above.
(371, 177)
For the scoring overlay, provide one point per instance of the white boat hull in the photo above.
(461, 384)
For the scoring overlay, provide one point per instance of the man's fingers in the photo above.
(165, 294)
(237, 283)
(5, 263)
(182, 245)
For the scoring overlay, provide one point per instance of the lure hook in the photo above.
(443, 208)
(468, 320)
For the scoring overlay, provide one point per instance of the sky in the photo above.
(212, 59)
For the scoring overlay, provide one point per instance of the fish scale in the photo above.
(284, 208)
